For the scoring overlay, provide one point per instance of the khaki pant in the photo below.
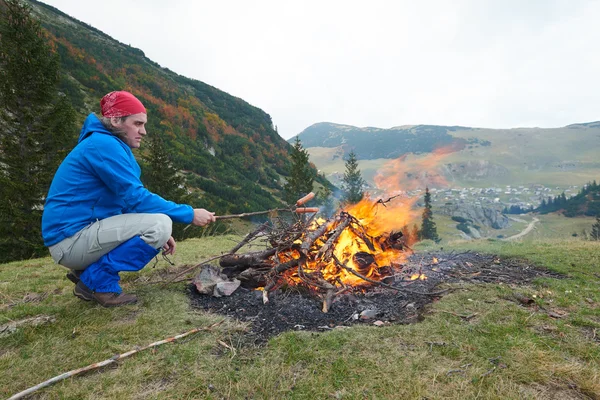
(99, 238)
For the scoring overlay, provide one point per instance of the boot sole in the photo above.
(105, 305)
(82, 295)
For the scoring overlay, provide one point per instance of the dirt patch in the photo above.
(292, 309)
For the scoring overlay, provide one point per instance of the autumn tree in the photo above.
(301, 175)
(415, 234)
(428, 228)
(36, 129)
(352, 182)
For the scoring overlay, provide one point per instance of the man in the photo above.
(98, 218)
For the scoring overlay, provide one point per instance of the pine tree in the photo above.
(352, 183)
(36, 129)
(301, 177)
(160, 176)
(595, 233)
(428, 228)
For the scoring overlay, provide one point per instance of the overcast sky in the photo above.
(491, 64)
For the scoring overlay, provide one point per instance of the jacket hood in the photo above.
(92, 124)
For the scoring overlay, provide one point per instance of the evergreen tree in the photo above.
(160, 176)
(301, 176)
(428, 228)
(595, 233)
(352, 183)
(36, 129)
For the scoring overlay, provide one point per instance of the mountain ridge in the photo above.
(475, 156)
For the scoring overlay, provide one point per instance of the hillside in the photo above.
(230, 150)
(478, 157)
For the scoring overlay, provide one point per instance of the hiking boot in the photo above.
(104, 299)
(73, 275)
(114, 299)
(82, 291)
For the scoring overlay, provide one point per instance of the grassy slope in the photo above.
(540, 357)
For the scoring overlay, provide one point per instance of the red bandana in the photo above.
(121, 104)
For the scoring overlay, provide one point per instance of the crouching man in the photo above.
(98, 218)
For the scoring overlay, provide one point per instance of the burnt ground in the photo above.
(291, 309)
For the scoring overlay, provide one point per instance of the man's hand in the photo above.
(169, 247)
(203, 217)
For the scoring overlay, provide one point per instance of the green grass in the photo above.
(506, 351)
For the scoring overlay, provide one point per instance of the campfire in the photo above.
(357, 248)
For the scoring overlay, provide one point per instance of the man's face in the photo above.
(133, 128)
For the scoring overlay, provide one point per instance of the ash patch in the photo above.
(294, 309)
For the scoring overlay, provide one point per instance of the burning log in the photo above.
(317, 233)
(363, 261)
(393, 241)
(233, 264)
(329, 257)
(326, 251)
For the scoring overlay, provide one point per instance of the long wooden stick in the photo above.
(250, 214)
(298, 210)
(111, 360)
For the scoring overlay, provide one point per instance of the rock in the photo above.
(368, 314)
(210, 280)
(226, 288)
(474, 233)
(477, 215)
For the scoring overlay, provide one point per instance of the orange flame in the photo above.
(372, 246)
(410, 172)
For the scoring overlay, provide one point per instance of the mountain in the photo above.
(372, 143)
(229, 150)
(475, 156)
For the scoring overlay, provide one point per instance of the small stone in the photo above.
(368, 314)
(379, 323)
(226, 288)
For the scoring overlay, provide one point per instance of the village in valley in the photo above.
(524, 196)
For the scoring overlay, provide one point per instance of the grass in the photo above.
(505, 351)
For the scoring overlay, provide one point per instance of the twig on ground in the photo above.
(109, 361)
(465, 317)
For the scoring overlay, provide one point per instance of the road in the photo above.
(525, 231)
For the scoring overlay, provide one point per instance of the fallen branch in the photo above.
(465, 317)
(104, 363)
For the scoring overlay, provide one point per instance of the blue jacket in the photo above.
(99, 178)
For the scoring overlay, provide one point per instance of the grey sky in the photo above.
(492, 64)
